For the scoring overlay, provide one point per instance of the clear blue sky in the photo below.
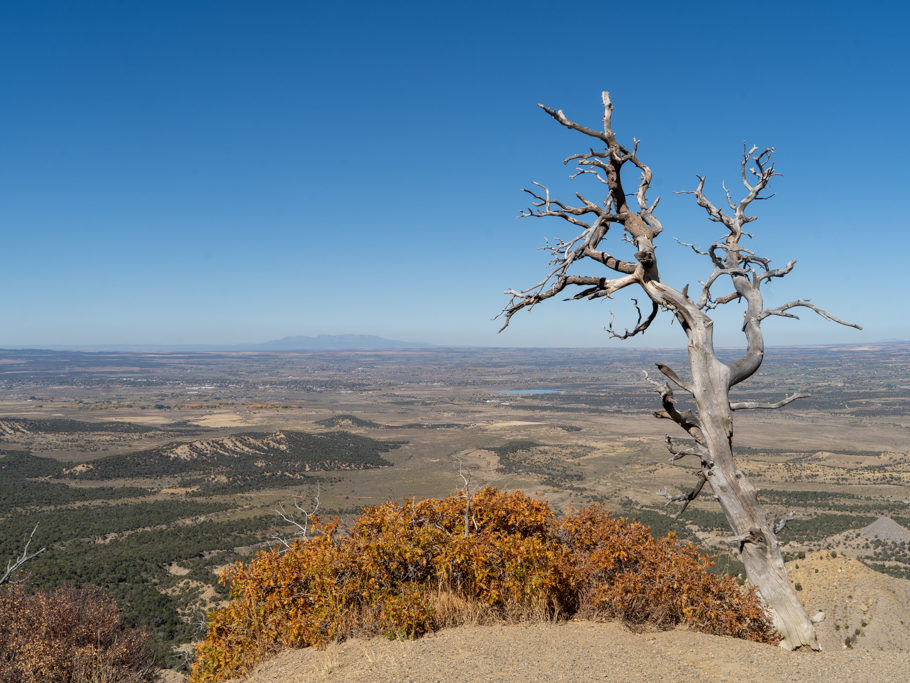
(221, 172)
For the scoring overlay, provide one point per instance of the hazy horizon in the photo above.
(405, 345)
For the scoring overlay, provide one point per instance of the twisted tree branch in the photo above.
(640, 326)
(805, 303)
(686, 498)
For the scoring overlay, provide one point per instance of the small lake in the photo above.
(525, 392)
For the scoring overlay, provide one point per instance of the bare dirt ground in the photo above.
(851, 597)
(574, 651)
(513, 423)
(222, 420)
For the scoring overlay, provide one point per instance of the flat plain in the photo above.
(148, 472)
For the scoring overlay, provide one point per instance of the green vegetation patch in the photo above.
(132, 570)
(249, 456)
(832, 501)
(15, 495)
(897, 571)
(659, 522)
(21, 464)
(707, 520)
(824, 524)
(553, 464)
(347, 420)
(61, 425)
(96, 521)
(427, 425)
(19, 487)
(812, 499)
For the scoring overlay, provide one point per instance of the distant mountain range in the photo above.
(324, 342)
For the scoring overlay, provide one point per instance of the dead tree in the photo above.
(302, 528)
(14, 564)
(710, 426)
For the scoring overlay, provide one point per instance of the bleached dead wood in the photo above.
(301, 525)
(14, 564)
(710, 423)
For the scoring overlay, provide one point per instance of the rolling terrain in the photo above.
(148, 472)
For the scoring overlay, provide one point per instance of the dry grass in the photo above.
(330, 659)
(452, 609)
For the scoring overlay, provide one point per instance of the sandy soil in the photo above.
(574, 651)
(513, 423)
(221, 420)
(142, 419)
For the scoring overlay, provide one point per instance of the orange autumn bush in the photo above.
(68, 635)
(405, 569)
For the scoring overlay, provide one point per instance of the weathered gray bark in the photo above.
(710, 426)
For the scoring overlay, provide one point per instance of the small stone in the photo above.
(818, 617)
(864, 608)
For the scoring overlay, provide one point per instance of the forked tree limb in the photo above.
(685, 498)
(679, 452)
(726, 299)
(303, 528)
(705, 299)
(13, 565)
(778, 272)
(469, 517)
(714, 214)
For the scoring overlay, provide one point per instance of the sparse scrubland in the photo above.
(406, 569)
(149, 504)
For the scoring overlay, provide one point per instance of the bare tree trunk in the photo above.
(755, 540)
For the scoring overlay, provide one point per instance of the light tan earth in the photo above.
(575, 651)
(221, 420)
(854, 598)
(142, 419)
(512, 423)
(847, 592)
